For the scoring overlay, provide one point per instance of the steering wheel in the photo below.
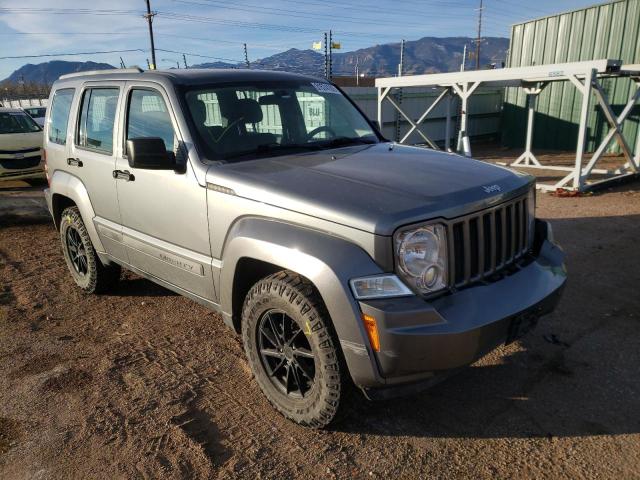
(323, 128)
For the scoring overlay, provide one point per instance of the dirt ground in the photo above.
(142, 383)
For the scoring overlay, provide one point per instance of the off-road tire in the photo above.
(98, 277)
(293, 294)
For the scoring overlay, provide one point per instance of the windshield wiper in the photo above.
(271, 148)
(344, 141)
(267, 149)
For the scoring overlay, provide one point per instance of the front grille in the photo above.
(486, 242)
(25, 150)
(19, 163)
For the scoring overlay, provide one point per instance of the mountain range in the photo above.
(48, 72)
(426, 55)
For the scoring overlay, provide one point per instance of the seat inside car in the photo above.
(239, 114)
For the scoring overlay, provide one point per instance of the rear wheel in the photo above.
(84, 264)
(292, 350)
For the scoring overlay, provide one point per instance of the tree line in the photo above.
(10, 90)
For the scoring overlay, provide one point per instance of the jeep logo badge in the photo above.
(491, 188)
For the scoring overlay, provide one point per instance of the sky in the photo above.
(209, 30)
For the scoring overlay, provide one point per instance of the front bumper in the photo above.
(422, 341)
(21, 168)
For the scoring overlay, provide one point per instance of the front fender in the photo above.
(329, 262)
(70, 186)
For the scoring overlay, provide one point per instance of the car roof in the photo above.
(11, 110)
(187, 77)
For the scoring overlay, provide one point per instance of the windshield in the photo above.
(17, 122)
(248, 121)
(36, 112)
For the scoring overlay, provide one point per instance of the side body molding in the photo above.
(70, 186)
(327, 261)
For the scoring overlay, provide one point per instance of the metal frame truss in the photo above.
(584, 75)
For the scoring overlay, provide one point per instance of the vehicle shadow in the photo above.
(575, 375)
(130, 285)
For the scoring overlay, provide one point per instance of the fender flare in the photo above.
(70, 186)
(328, 261)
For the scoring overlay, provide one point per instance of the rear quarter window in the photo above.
(59, 117)
(97, 118)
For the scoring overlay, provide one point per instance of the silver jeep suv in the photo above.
(341, 259)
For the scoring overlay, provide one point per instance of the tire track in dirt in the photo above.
(167, 392)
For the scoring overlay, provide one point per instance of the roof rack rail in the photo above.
(103, 72)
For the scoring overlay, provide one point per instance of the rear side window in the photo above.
(59, 118)
(148, 117)
(97, 118)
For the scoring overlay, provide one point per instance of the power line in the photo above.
(69, 11)
(260, 26)
(71, 54)
(201, 56)
(291, 13)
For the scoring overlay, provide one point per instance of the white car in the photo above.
(37, 113)
(20, 146)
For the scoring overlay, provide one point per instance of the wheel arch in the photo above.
(68, 190)
(59, 203)
(248, 272)
(259, 245)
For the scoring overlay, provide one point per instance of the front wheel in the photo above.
(292, 350)
(82, 260)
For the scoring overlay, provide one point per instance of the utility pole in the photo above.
(357, 71)
(246, 56)
(399, 95)
(149, 16)
(148, 66)
(178, 64)
(464, 58)
(122, 63)
(326, 57)
(184, 59)
(479, 36)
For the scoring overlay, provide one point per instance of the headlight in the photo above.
(379, 286)
(422, 257)
(531, 214)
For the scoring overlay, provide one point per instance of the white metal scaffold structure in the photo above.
(585, 76)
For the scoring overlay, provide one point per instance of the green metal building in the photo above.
(610, 30)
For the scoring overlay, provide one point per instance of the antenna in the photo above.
(326, 57)
(330, 55)
(246, 56)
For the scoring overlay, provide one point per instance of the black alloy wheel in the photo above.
(293, 350)
(85, 266)
(77, 252)
(286, 353)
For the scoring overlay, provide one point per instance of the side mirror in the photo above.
(150, 153)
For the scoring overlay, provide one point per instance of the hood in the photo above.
(12, 142)
(375, 188)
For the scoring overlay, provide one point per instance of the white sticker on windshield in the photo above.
(325, 88)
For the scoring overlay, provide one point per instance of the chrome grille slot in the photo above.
(483, 243)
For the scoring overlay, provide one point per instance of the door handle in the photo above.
(123, 175)
(75, 162)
